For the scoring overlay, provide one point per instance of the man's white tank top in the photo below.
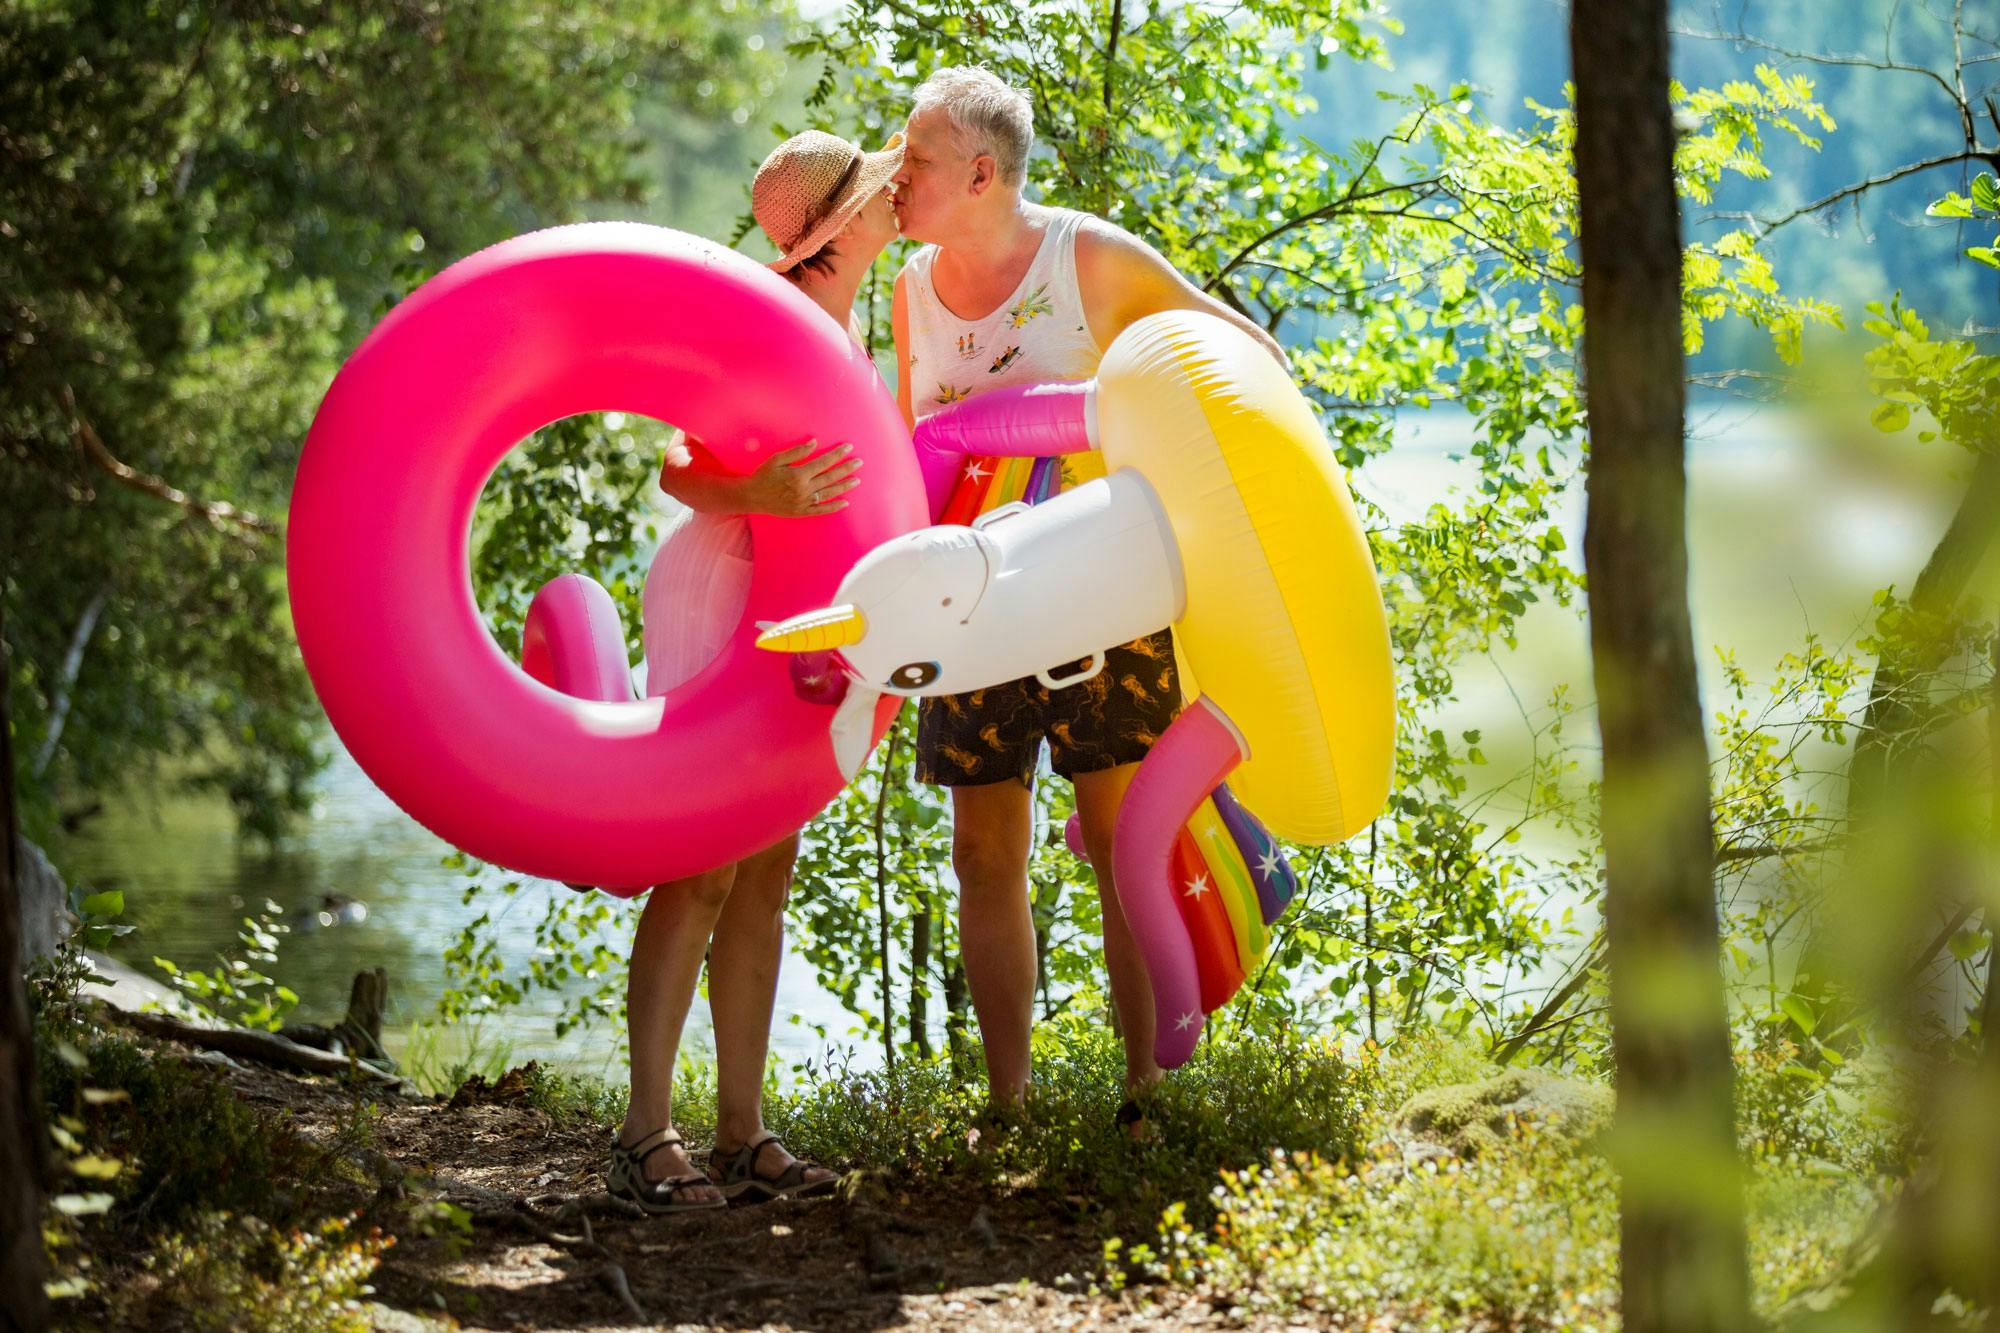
(1038, 335)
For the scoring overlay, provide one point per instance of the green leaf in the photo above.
(1890, 417)
(81, 1205)
(1986, 192)
(94, 1167)
(111, 902)
(1802, 1015)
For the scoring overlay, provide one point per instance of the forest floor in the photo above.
(979, 1257)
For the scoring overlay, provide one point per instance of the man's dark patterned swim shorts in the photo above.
(990, 735)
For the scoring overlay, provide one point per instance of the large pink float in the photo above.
(596, 317)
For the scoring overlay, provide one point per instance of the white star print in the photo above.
(1186, 1021)
(973, 472)
(1197, 886)
(1269, 865)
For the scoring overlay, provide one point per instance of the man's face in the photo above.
(934, 178)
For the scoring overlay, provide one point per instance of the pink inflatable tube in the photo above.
(1192, 757)
(597, 317)
(1019, 421)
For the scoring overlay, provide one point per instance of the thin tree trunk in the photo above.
(1681, 1230)
(882, 904)
(23, 1305)
(72, 666)
(920, 961)
(1904, 662)
(957, 1009)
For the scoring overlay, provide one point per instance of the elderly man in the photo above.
(1007, 291)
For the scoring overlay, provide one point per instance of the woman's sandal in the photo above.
(627, 1179)
(739, 1182)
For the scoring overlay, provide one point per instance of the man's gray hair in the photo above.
(986, 115)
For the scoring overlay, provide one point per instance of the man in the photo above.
(1007, 292)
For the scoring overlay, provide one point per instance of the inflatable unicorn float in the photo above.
(1222, 514)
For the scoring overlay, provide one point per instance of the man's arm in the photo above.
(1123, 280)
(899, 327)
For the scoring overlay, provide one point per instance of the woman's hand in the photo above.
(797, 483)
(788, 484)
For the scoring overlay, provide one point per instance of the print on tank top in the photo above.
(1038, 335)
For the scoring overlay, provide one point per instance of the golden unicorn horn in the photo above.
(816, 631)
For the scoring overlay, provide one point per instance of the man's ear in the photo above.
(984, 172)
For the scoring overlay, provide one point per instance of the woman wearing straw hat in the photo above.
(824, 204)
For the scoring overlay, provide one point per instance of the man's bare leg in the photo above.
(990, 830)
(1099, 797)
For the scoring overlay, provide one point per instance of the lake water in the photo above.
(1793, 524)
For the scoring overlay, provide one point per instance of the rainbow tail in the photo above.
(1200, 879)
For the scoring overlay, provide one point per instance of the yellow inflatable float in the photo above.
(1225, 516)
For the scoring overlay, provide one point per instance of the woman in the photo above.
(825, 204)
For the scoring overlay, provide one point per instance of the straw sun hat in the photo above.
(809, 187)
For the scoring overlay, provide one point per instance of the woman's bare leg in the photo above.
(667, 953)
(743, 963)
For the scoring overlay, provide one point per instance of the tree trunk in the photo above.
(1906, 660)
(957, 1010)
(23, 1305)
(1681, 1230)
(920, 961)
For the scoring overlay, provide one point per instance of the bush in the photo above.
(1227, 1108)
(1522, 1235)
(187, 1141)
(226, 1272)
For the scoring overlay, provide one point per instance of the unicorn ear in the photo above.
(816, 631)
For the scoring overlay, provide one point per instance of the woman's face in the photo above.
(871, 229)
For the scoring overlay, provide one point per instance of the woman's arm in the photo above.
(800, 481)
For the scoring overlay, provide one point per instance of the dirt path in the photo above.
(980, 1258)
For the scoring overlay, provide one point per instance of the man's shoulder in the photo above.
(1098, 235)
(918, 263)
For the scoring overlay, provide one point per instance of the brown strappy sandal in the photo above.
(627, 1178)
(739, 1182)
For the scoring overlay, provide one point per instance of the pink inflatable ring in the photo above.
(596, 317)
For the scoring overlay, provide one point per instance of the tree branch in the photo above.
(1990, 156)
(220, 513)
(1820, 58)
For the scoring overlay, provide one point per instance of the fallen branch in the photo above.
(264, 1047)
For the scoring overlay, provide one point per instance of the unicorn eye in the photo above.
(913, 675)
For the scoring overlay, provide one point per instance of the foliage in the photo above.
(225, 1272)
(201, 212)
(1982, 201)
(1521, 1236)
(186, 1141)
(1229, 1106)
(236, 991)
